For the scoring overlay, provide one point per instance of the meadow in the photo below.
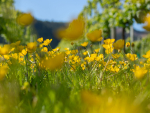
(87, 73)
(38, 79)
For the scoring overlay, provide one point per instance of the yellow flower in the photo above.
(24, 52)
(95, 36)
(74, 51)
(15, 44)
(97, 50)
(74, 31)
(109, 48)
(31, 47)
(54, 62)
(119, 44)
(127, 44)
(109, 41)
(3, 71)
(6, 57)
(44, 49)
(5, 49)
(108, 45)
(85, 53)
(67, 49)
(90, 99)
(25, 19)
(68, 52)
(147, 21)
(100, 57)
(139, 72)
(131, 57)
(47, 41)
(116, 56)
(147, 54)
(84, 44)
(56, 49)
(40, 39)
(18, 49)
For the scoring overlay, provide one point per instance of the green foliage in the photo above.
(9, 29)
(114, 13)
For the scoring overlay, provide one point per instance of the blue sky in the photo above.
(56, 10)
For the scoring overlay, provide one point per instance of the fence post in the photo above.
(131, 36)
(113, 35)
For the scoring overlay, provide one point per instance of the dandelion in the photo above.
(95, 36)
(73, 32)
(25, 19)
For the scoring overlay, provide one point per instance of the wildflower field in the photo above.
(84, 78)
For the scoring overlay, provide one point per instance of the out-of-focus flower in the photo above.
(108, 45)
(52, 63)
(73, 32)
(84, 44)
(47, 41)
(25, 19)
(24, 52)
(95, 36)
(3, 71)
(31, 47)
(147, 21)
(40, 39)
(132, 44)
(15, 44)
(127, 44)
(25, 85)
(5, 49)
(18, 49)
(119, 44)
(85, 53)
(115, 56)
(56, 49)
(44, 49)
(131, 57)
(72, 43)
(97, 50)
(139, 72)
(147, 54)
(94, 103)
